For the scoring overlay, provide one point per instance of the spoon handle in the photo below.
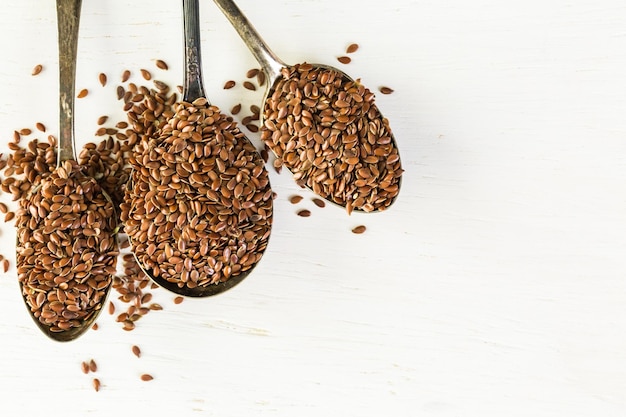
(192, 88)
(68, 19)
(268, 60)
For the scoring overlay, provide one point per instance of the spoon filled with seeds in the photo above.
(66, 226)
(324, 127)
(198, 209)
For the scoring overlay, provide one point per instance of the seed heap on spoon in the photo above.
(198, 211)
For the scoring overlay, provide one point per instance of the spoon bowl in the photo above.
(344, 149)
(66, 254)
(202, 183)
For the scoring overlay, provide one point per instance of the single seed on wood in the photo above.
(147, 377)
(252, 127)
(96, 384)
(93, 367)
(136, 351)
(295, 199)
(102, 120)
(37, 69)
(94, 326)
(344, 59)
(304, 213)
(178, 300)
(40, 126)
(236, 109)
(386, 90)
(248, 85)
(111, 308)
(252, 72)
(161, 64)
(359, 229)
(352, 48)
(82, 93)
(25, 131)
(229, 84)
(146, 74)
(84, 366)
(102, 77)
(125, 75)
(318, 202)
(9, 216)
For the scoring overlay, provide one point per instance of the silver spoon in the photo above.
(193, 91)
(68, 17)
(363, 180)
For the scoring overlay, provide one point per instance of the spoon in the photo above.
(66, 254)
(198, 169)
(324, 127)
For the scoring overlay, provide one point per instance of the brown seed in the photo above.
(40, 126)
(93, 367)
(236, 109)
(125, 76)
(353, 47)
(5, 265)
(359, 229)
(295, 199)
(146, 74)
(136, 351)
(252, 72)
(147, 377)
(111, 308)
(94, 326)
(385, 90)
(102, 120)
(229, 84)
(304, 213)
(25, 131)
(82, 93)
(9, 216)
(102, 77)
(84, 366)
(344, 59)
(318, 202)
(178, 300)
(37, 69)
(161, 64)
(96, 384)
(252, 127)
(248, 85)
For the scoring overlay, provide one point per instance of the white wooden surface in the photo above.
(495, 286)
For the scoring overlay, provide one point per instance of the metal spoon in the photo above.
(274, 68)
(193, 90)
(68, 16)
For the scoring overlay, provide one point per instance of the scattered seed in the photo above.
(93, 367)
(102, 77)
(353, 47)
(125, 75)
(37, 69)
(318, 202)
(147, 377)
(102, 120)
(84, 366)
(161, 64)
(252, 72)
(9, 216)
(236, 109)
(94, 326)
(111, 308)
(359, 229)
(304, 213)
(344, 59)
(229, 84)
(82, 93)
(248, 85)
(96, 384)
(136, 351)
(178, 300)
(25, 131)
(40, 126)
(252, 127)
(295, 199)
(146, 74)
(5, 265)
(386, 90)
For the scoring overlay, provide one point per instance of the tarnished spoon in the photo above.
(329, 133)
(66, 226)
(221, 236)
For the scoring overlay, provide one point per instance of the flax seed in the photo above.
(359, 229)
(229, 84)
(386, 90)
(353, 47)
(304, 213)
(125, 76)
(344, 59)
(102, 78)
(146, 377)
(161, 64)
(40, 126)
(146, 74)
(136, 351)
(37, 69)
(82, 93)
(248, 85)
